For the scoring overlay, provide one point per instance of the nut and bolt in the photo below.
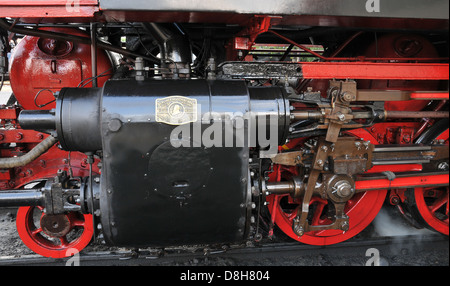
(344, 226)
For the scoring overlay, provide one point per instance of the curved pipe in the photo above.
(173, 45)
(37, 151)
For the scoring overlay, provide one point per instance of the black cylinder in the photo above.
(78, 119)
(269, 104)
(41, 120)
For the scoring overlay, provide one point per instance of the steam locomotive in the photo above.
(159, 123)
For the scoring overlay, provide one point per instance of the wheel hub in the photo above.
(55, 225)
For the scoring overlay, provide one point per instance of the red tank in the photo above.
(40, 64)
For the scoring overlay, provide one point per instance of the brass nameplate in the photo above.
(176, 110)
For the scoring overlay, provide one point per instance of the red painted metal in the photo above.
(369, 70)
(361, 208)
(423, 95)
(9, 113)
(33, 236)
(48, 9)
(432, 203)
(396, 168)
(433, 206)
(245, 39)
(45, 65)
(46, 166)
(403, 182)
(403, 46)
(360, 58)
(400, 182)
(388, 132)
(21, 136)
(48, 2)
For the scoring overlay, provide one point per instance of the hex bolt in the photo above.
(299, 230)
(340, 116)
(443, 166)
(344, 226)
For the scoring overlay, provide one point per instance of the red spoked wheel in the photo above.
(361, 210)
(55, 236)
(432, 204)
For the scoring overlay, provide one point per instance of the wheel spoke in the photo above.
(292, 214)
(36, 231)
(317, 213)
(438, 204)
(64, 242)
(77, 222)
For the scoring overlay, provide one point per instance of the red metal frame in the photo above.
(369, 70)
(48, 9)
(403, 182)
(424, 95)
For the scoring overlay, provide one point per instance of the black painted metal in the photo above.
(41, 120)
(78, 118)
(16, 198)
(156, 194)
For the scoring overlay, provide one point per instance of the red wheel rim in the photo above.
(361, 209)
(432, 205)
(79, 235)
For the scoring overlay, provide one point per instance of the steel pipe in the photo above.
(20, 198)
(416, 114)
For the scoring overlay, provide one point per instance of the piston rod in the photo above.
(318, 115)
(20, 198)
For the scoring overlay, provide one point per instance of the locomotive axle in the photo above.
(59, 195)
